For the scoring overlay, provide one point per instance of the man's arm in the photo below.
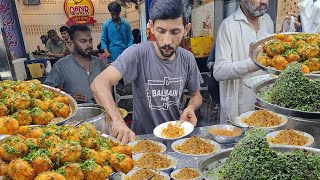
(224, 67)
(194, 104)
(104, 40)
(101, 88)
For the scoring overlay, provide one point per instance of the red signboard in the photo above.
(79, 12)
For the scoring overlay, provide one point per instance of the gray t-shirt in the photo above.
(73, 77)
(157, 84)
(55, 48)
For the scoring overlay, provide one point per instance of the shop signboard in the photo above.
(11, 28)
(79, 12)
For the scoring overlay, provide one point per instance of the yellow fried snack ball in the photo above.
(20, 170)
(8, 125)
(121, 162)
(32, 143)
(62, 99)
(39, 161)
(60, 109)
(41, 104)
(23, 117)
(279, 62)
(39, 117)
(313, 64)
(23, 130)
(36, 94)
(48, 103)
(105, 154)
(3, 168)
(93, 171)
(108, 169)
(89, 129)
(88, 154)
(3, 110)
(123, 149)
(20, 101)
(65, 151)
(50, 175)
(35, 132)
(48, 139)
(305, 69)
(91, 143)
(13, 147)
(274, 48)
(72, 171)
(66, 132)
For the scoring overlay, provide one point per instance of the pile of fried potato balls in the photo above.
(29, 103)
(287, 48)
(62, 152)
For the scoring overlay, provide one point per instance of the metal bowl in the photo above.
(225, 139)
(90, 113)
(215, 162)
(94, 114)
(266, 85)
(256, 50)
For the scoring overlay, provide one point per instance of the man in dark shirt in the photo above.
(76, 71)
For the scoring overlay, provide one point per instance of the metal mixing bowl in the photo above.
(225, 139)
(94, 114)
(91, 113)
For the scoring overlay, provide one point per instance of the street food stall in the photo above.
(75, 143)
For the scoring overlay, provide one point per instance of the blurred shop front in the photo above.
(25, 21)
(11, 42)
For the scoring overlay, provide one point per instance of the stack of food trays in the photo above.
(31, 103)
(151, 159)
(63, 152)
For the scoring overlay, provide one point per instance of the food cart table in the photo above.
(192, 161)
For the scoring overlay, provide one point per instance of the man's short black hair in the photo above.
(77, 27)
(52, 31)
(64, 28)
(114, 7)
(167, 9)
(99, 48)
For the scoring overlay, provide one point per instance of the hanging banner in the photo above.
(79, 12)
(11, 27)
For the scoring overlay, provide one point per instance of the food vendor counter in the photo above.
(192, 161)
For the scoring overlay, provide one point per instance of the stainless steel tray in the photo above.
(217, 160)
(256, 50)
(282, 110)
(72, 102)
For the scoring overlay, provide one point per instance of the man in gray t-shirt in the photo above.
(77, 71)
(159, 72)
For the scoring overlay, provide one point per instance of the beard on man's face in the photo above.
(256, 12)
(164, 48)
(85, 53)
